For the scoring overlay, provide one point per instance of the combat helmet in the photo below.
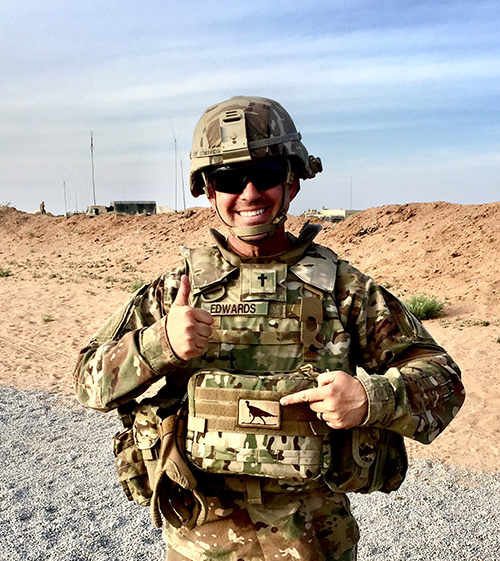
(243, 130)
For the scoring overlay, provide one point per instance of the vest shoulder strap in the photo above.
(208, 268)
(317, 267)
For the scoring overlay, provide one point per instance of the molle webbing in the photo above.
(309, 313)
(236, 425)
(254, 337)
(217, 410)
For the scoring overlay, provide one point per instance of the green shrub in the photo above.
(4, 272)
(423, 306)
(126, 267)
(137, 283)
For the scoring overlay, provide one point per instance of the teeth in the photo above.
(248, 213)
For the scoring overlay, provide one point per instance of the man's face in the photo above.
(251, 207)
(256, 193)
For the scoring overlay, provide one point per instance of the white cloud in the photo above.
(362, 80)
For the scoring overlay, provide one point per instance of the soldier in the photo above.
(302, 374)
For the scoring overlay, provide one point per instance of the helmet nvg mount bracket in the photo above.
(248, 129)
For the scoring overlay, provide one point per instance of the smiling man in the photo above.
(298, 376)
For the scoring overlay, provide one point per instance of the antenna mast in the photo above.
(183, 190)
(175, 152)
(65, 205)
(175, 156)
(92, 159)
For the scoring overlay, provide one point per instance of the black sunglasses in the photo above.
(233, 179)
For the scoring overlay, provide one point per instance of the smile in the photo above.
(248, 213)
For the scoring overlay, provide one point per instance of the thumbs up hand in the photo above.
(188, 329)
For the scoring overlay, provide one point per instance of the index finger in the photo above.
(304, 396)
(203, 316)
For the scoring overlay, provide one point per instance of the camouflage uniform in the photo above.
(413, 386)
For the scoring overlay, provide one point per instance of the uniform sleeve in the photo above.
(414, 387)
(131, 350)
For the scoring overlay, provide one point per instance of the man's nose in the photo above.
(250, 192)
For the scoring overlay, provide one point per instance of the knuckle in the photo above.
(335, 423)
(330, 404)
(190, 313)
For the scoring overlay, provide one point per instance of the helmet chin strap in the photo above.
(248, 233)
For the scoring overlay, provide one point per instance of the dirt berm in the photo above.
(62, 277)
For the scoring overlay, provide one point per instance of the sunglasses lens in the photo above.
(227, 180)
(233, 180)
(268, 175)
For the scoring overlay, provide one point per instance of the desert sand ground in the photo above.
(63, 276)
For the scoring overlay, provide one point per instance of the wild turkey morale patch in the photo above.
(259, 413)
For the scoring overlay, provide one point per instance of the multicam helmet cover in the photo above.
(244, 129)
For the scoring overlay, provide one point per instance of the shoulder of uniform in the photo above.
(116, 322)
(322, 252)
(345, 266)
(351, 278)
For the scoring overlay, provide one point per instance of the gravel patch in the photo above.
(60, 499)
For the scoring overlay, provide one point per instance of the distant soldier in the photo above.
(42, 208)
(263, 325)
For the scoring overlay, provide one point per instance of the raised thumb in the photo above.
(182, 298)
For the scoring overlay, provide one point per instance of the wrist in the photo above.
(380, 399)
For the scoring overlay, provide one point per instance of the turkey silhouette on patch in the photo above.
(258, 413)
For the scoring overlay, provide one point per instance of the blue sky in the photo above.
(400, 99)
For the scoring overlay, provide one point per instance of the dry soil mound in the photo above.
(61, 277)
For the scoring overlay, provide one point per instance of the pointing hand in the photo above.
(188, 329)
(340, 400)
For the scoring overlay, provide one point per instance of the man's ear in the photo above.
(294, 188)
(210, 193)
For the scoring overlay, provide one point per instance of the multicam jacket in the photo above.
(413, 385)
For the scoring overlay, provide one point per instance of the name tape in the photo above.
(237, 309)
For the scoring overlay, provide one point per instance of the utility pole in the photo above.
(65, 203)
(183, 190)
(175, 184)
(175, 163)
(92, 159)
